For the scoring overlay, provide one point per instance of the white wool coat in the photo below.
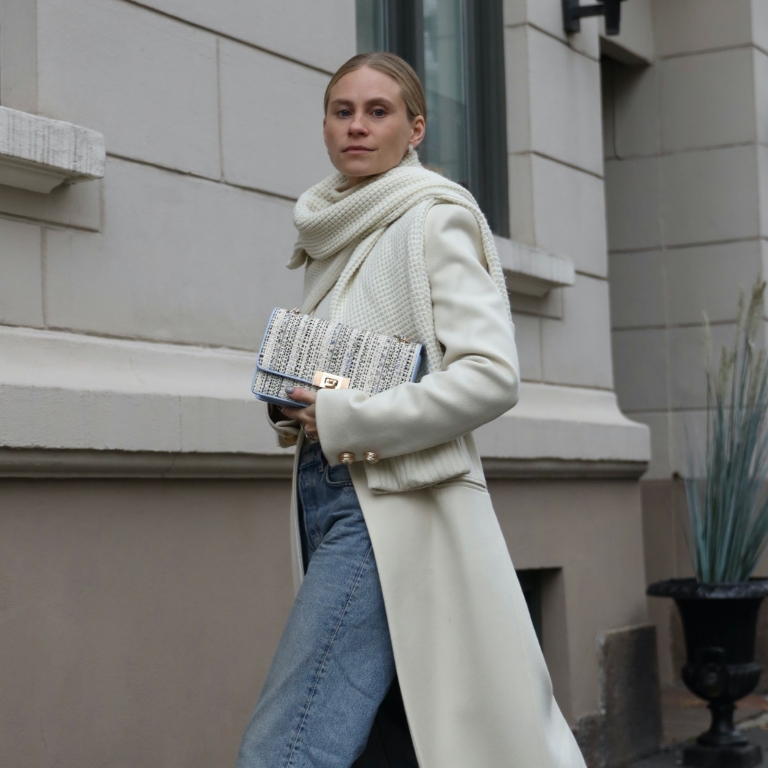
(474, 683)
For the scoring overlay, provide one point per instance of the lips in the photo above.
(357, 149)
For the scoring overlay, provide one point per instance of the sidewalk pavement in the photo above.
(684, 717)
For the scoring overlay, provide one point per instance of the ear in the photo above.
(418, 131)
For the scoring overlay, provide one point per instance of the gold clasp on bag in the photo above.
(329, 381)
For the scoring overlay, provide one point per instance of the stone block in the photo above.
(762, 168)
(659, 468)
(518, 93)
(688, 363)
(521, 211)
(548, 16)
(686, 26)
(630, 697)
(531, 271)
(38, 154)
(707, 100)
(632, 204)
(140, 617)
(563, 102)
(760, 24)
(206, 266)
(607, 68)
(81, 393)
(550, 305)
(760, 64)
(528, 340)
(18, 55)
(566, 358)
(21, 287)
(569, 215)
(687, 443)
(634, 44)
(635, 104)
(147, 82)
(320, 33)
(707, 280)
(567, 424)
(710, 195)
(637, 289)
(640, 369)
(77, 206)
(272, 121)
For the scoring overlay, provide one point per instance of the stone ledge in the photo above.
(531, 271)
(38, 154)
(61, 464)
(88, 406)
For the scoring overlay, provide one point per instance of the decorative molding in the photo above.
(64, 464)
(555, 469)
(86, 406)
(94, 464)
(531, 271)
(39, 154)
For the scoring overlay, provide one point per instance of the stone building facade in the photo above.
(150, 155)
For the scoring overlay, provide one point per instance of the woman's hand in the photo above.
(306, 416)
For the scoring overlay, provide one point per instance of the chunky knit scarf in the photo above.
(335, 224)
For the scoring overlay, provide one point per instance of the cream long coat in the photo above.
(474, 683)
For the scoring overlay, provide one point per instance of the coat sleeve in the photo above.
(287, 429)
(478, 380)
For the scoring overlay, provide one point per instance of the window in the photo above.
(457, 49)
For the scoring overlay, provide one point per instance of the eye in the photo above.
(343, 112)
(379, 112)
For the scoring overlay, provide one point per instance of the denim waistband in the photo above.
(311, 452)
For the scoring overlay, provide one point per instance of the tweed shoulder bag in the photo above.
(309, 351)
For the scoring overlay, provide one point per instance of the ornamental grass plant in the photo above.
(726, 487)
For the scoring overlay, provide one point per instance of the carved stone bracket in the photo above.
(39, 154)
(531, 271)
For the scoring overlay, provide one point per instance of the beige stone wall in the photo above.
(589, 531)
(138, 618)
(141, 611)
(685, 176)
(685, 156)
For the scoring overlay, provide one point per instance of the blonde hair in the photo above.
(398, 69)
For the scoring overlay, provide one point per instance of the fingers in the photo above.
(302, 395)
(306, 415)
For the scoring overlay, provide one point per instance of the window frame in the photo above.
(402, 32)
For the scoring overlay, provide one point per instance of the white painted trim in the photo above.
(39, 154)
(531, 271)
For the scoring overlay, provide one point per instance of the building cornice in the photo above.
(80, 406)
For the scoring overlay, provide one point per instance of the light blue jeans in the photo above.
(334, 665)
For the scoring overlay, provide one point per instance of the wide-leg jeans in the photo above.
(334, 663)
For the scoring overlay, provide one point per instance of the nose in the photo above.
(357, 126)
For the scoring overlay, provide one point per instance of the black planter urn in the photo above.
(719, 622)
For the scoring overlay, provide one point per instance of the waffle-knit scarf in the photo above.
(336, 224)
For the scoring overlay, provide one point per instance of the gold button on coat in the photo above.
(371, 457)
(346, 457)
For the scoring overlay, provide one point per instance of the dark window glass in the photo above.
(457, 49)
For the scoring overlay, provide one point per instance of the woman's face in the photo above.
(366, 128)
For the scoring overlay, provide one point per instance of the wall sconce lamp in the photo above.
(573, 13)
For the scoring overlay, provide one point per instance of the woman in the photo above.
(390, 246)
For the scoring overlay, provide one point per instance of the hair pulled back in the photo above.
(398, 69)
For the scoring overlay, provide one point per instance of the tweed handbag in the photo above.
(314, 353)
